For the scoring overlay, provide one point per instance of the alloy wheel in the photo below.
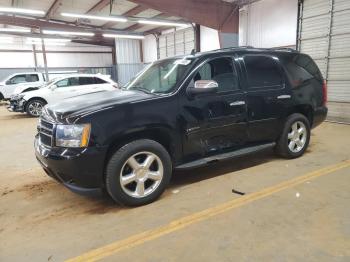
(297, 137)
(35, 108)
(141, 174)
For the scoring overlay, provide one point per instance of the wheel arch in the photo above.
(162, 135)
(35, 98)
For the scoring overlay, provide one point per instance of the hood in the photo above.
(89, 103)
(19, 89)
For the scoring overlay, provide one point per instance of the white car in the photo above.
(25, 81)
(58, 89)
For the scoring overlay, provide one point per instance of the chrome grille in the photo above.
(46, 131)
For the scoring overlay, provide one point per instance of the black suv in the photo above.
(180, 113)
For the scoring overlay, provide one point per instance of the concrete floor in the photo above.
(42, 221)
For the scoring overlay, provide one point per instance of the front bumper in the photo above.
(79, 169)
(16, 106)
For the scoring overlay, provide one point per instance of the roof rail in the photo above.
(232, 48)
(283, 49)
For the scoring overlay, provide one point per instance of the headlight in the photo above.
(73, 135)
(17, 97)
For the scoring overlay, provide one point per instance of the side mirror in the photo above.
(203, 87)
(53, 87)
(8, 82)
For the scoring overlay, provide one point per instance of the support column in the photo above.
(35, 59)
(44, 56)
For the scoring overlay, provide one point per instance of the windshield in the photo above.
(160, 76)
(49, 83)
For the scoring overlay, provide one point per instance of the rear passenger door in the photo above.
(86, 85)
(267, 96)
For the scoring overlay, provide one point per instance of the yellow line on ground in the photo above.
(183, 222)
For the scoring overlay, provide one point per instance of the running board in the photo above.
(224, 156)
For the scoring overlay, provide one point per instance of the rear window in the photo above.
(300, 69)
(262, 72)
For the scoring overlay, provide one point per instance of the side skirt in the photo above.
(241, 152)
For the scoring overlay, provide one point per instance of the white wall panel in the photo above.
(75, 60)
(209, 39)
(269, 23)
(128, 51)
(77, 55)
(16, 59)
(128, 59)
(149, 49)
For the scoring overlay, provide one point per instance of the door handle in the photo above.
(284, 97)
(237, 103)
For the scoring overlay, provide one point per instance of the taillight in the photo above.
(324, 91)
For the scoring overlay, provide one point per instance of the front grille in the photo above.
(46, 131)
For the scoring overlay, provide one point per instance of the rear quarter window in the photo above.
(300, 69)
(99, 81)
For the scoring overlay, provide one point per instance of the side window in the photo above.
(300, 69)
(17, 80)
(86, 81)
(32, 78)
(74, 81)
(62, 83)
(220, 70)
(262, 72)
(99, 81)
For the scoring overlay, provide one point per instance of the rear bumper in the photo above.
(80, 170)
(320, 115)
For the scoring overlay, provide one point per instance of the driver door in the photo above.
(216, 121)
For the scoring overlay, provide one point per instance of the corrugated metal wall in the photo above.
(128, 59)
(176, 43)
(325, 35)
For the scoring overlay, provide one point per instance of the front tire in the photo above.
(34, 107)
(295, 137)
(138, 172)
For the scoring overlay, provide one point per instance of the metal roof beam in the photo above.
(215, 14)
(132, 12)
(98, 6)
(53, 8)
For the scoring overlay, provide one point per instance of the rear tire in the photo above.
(295, 137)
(34, 107)
(138, 172)
(1, 97)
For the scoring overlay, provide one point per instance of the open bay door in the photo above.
(324, 34)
